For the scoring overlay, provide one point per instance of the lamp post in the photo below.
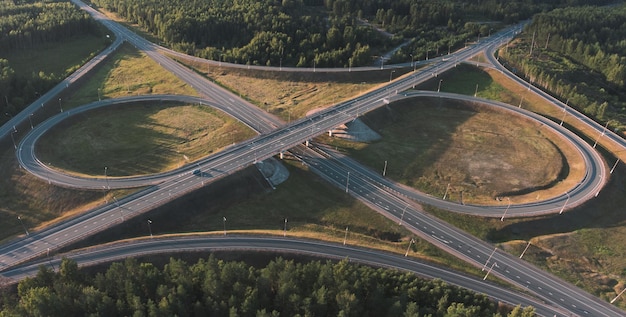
(409, 247)
(285, 228)
(446, 193)
(224, 225)
(23, 226)
(525, 249)
(489, 258)
(347, 181)
(385, 168)
(402, 217)
(391, 75)
(345, 237)
(618, 295)
(439, 86)
(412, 62)
(507, 209)
(60, 106)
(565, 204)
(106, 178)
(30, 119)
(150, 227)
(13, 138)
(491, 268)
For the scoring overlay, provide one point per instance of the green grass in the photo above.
(59, 59)
(128, 72)
(429, 143)
(138, 139)
(313, 208)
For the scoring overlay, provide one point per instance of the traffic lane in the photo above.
(327, 250)
(467, 247)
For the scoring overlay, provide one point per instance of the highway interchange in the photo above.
(363, 184)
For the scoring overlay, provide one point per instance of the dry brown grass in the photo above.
(537, 104)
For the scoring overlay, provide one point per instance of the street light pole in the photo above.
(487, 262)
(391, 75)
(150, 227)
(507, 209)
(385, 168)
(23, 226)
(30, 119)
(347, 181)
(491, 268)
(565, 204)
(525, 249)
(13, 138)
(601, 134)
(618, 295)
(409, 247)
(614, 166)
(402, 217)
(106, 178)
(224, 225)
(60, 106)
(285, 228)
(439, 87)
(345, 237)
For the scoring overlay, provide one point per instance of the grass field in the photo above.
(34, 200)
(313, 209)
(59, 59)
(140, 139)
(128, 72)
(292, 95)
(474, 152)
(581, 245)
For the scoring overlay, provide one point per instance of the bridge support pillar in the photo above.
(330, 132)
(306, 143)
(282, 155)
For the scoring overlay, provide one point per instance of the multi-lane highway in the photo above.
(235, 243)
(587, 188)
(270, 143)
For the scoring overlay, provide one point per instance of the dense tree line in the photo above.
(579, 55)
(213, 287)
(32, 23)
(28, 24)
(266, 32)
(325, 33)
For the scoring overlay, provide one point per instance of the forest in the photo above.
(31, 24)
(213, 287)
(323, 33)
(578, 55)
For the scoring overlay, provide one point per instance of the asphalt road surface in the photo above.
(471, 249)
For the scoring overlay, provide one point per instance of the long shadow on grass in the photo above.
(606, 211)
(414, 133)
(123, 140)
(248, 203)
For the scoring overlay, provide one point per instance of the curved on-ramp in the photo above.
(589, 187)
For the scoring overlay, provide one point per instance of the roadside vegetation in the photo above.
(595, 263)
(68, 36)
(227, 288)
(139, 139)
(579, 245)
(336, 33)
(578, 55)
(38, 203)
(468, 152)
